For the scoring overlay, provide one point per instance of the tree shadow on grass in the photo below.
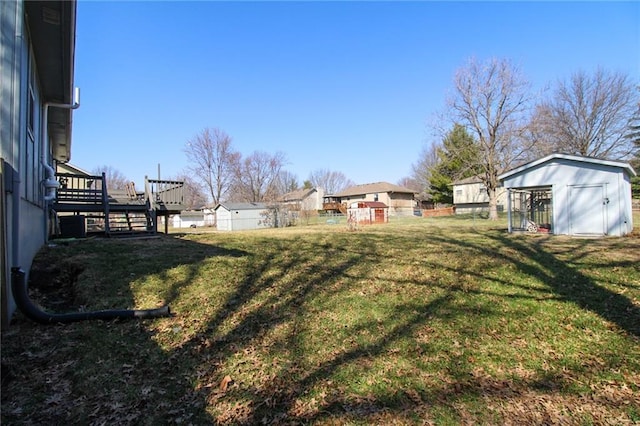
(570, 284)
(257, 330)
(99, 372)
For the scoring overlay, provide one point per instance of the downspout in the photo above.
(50, 182)
(34, 313)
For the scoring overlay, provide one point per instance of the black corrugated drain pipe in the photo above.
(34, 313)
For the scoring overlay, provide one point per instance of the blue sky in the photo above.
(344, 86)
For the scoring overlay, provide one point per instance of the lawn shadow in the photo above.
(570, 284)
(100, 372)
(534, 257)
(245, 361)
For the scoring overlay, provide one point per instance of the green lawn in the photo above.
(439, 320)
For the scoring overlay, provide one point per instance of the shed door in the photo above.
(587, 210)
(379, 216)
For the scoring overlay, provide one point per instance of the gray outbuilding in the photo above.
(570, 195)
(241, 216)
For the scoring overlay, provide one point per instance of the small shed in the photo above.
(241, 216)
(367, 212)
(570, 195)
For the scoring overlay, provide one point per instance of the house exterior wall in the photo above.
(23, 215)
(471, 197)
(400, 204)
(27, 147)
(313, 201)
(568, 179)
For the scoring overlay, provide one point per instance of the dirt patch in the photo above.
(52, 281)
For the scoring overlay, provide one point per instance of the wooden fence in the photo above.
(445, 211)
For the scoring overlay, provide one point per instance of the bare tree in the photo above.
(409, 182)
(195, 195)
(286, 182)
(536, 136)
(421, 171)
(213, 161)
(115, 179)
(331, 182)
(256, 177)
(490, 99)
(589, 115)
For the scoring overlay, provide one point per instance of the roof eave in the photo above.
(52, 26)
(625, 166)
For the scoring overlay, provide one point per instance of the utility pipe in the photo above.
(50, 182)
(34, 313)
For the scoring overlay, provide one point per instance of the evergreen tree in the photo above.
(457, 158)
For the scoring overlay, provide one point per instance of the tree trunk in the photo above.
(493, 204)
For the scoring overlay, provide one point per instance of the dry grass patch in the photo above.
(419, 321)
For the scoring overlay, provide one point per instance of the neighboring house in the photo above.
(303, 199)
(368, 212)
(37, 50)
(70, 169)
(470, 196)
(400, 200)
(241, 216)
(194, 218)
(571, 195)
(189, 219)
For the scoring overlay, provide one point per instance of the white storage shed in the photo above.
(240, 216)
(570, 195)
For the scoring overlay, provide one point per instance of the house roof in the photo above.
(468, 181)
(298, 195)
(73, 169)
(372, 188)
(242, 206)
(568, 157)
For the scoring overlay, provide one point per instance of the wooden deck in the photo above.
(117, 212)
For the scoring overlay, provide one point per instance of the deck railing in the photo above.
(81, 189)
(165, 194)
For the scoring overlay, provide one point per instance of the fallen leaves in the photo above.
(224, 384)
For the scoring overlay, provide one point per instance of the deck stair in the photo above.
(117, 213)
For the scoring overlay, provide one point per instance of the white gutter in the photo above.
(50, 182)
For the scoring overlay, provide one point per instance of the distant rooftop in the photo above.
(372, 188)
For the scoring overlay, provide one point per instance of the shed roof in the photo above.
(568, 157)
(242, 206)
(374, 204)
(372, 188)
